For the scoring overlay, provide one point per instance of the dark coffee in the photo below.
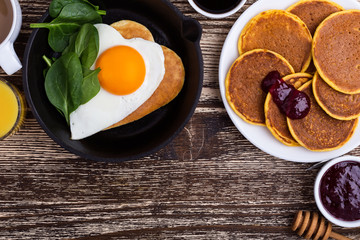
(217, 6)
(6, 18)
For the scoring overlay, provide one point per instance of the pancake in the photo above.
(243, 82)
(338, 105)
(168, 89)
(318, 131)
(281, 32)
(275, 120)
(313, 12)
(130, 29)
(336, 51)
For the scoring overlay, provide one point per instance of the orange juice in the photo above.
(11, 109)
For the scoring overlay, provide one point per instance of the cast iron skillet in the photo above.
(147, 135)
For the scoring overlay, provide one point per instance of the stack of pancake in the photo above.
(314, 45)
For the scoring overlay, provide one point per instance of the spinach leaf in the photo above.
(78, 13)
(71, 45)
(57, 5)
(87, 45)
(63, 84)
(59, 33)
(49, 62)
(94, 6)
(71, 17)
(90, 85)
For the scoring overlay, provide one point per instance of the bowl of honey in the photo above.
(337, 191)
(12, 109)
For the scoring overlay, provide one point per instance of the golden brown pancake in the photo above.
(168, 89)
(275, 120)
(338, 105)
(130, 29)
(318, 131)
(297, 79)
(281, 32)
(313, 12)
(336, 51)
(243, 82)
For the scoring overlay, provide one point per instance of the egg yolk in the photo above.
(122, 70)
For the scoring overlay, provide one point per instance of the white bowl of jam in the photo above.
(337, 191)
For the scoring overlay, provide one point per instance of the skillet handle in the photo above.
(191, 30)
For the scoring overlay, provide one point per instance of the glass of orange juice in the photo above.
(12, 109)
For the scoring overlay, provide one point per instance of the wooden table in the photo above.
(208, 183)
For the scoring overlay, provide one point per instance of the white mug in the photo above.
(216, 15)
(9, 61)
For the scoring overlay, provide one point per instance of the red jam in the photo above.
(340, 190)
(292, 102)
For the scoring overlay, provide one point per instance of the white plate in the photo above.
(258, 135)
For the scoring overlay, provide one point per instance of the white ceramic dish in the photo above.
(324, 212)
(9, 61)
(258, 135)
(216, 15)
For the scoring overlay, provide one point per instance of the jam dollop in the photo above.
(291, 102)
(340, 190)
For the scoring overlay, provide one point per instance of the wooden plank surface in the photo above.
(208, 183)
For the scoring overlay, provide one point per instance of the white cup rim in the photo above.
(13, 25)
(217, 15)
(324, 212)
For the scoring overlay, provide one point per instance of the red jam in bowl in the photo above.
(340, 190)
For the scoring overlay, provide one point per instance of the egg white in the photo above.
(106, 109)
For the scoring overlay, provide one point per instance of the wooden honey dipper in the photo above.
(311, 227)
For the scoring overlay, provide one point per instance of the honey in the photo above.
(12, 109)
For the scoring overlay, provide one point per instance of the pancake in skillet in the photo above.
(275, 120)
(170, 85)
(313, 12)
(130, 29)
(243, 82)
(318, 131)
(338, 105)
(336, 51)
(281, 32)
